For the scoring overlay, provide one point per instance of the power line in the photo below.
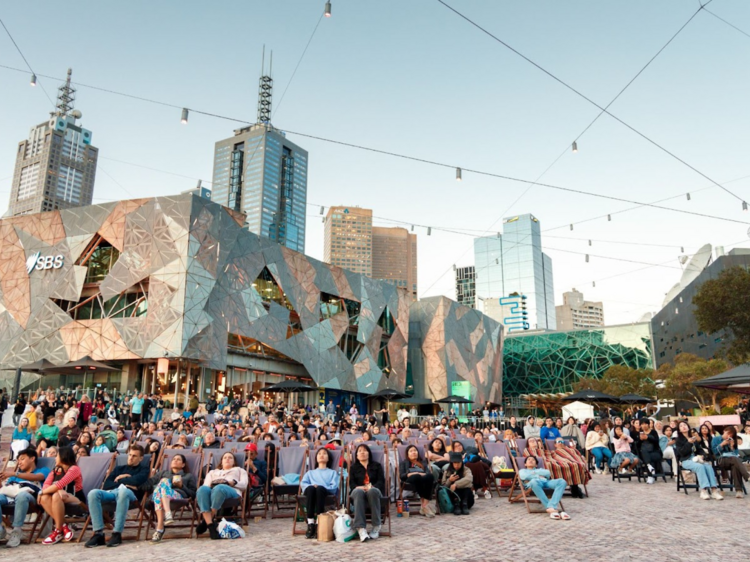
(153, 169)
(586, 98)
(728, 23)
(20, 52)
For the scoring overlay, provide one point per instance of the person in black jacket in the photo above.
(367, 485)
(415, 472)
(650, 451)
(120, 487)
(685, 449)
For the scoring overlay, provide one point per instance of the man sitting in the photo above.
(69, 434)
(120, 487)
(210, 442)
(257, 469)
(537, 480)
(30, 478)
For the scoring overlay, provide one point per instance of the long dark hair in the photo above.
(442, 446)
(329, 464)
(418, 462)
(369, 453)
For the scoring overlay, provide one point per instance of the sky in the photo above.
(412, 77)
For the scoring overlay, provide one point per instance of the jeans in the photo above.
(16, 419)
(213, 498)
(315, 500)
(539, 486)
(158, 415)
(600, 453)
(738, 470)
(122, 496)
(23, 501)
(360, 499)
(703, 471)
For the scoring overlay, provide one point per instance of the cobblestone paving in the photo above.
(619, 522)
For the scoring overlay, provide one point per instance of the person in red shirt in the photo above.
(64, 485)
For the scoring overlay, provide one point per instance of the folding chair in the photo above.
(184, 511)
(498, 449)
(94, 471)
(379, 456)
(233, 507)
(289, 460)
(259, 497)
(681, 483)
(405, 486)
(300, 511)
(34, 509)
(524, 495)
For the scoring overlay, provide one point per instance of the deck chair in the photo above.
(185, 511)
(332, 502)
(108, 508)
(233, 508)
(289, 460)
(499, 449)
(258, 498)
(36, 509)
(520, 494)
(405, 486)
(94, 470)
(379, 456)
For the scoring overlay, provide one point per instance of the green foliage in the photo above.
(727, 411)
(679, 380)
(619, 380)
(723, 304)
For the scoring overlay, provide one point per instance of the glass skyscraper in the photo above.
(512, 263)
(261, 173)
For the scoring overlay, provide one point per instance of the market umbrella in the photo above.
(289, 386)
(591, 396)
(39, 366)
(83, 365)
(453, 399)
(734, 380)
(635, 399)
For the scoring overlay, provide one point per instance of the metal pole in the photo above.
(177, 383)
(17, 385)
(187, 384)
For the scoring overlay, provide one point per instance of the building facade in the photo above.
(675, 327)
(262, 174)
(179, 280)
(512, 263)
(451, 343)
(549, 363)
(394, 257)
(576, 313)
(466, 286)
(56, 166)
(348, 239)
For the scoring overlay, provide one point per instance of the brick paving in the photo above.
(604, 527)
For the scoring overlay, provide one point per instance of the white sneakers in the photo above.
(375, 533)
(705, 495)
(717, 495)
(739, 495)
(487, 494)
(363, 535)
(650, 480)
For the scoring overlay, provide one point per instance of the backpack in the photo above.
(445, 502)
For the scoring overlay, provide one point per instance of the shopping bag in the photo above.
(325, 526)
(342, 527)
(230, 530)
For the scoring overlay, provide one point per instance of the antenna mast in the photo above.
(66, 97)
(265, 91)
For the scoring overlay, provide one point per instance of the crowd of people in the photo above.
(440, 455)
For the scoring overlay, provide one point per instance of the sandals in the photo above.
(554, 515)
(561, 515)
(564, 516)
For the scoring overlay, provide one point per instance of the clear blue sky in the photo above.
(411, 77)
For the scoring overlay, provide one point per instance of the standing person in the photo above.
(330, 411)
(193, 404)
(317, 485)
(64, 485)
(159, 410)
(353, 412)
(125, 412)
(147, 405)
(18, 409)
(136, 408)
(86, 410)
(367, 485)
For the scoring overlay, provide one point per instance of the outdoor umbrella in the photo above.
(83, 365)
(39, 366)
(635, 399)
(289, 386)
(734, 380)
(591, 396)
(453, 399)
(388, 394)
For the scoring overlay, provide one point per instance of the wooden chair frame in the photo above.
(524, 495)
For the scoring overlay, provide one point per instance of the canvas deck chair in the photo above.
(520, 494)
(289, 460)
(332, 502)
(379, 456)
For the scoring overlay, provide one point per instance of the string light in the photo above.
(571, 226)
(688, 197)
(322, 210)
(587, 258)
(33, 80)
(184, 118)
(429, 230)
(590, 243)
(744, 206)
(594, 283)
(609, 218)
(575, 147)
(458, 174)
(328, 10)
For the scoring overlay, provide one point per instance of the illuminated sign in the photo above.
(40, 262)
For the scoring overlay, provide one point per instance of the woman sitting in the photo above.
(530, 429)
(227, 482)
(47, 435)
(414, 471)
(317, 485)
(624, 459)
(367, 485)
(123, 443)
(571, 429)
(459, 479)
(597, 444)
(64, 485)
(728, 457)
(437, 455)
(22, 437)
(687, 453)
(175, 483)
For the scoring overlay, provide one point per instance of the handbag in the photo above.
(325, 526)
(10, 490)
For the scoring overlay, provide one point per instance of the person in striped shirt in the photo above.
(64, 485)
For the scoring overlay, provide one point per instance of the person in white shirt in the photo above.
(353, 413)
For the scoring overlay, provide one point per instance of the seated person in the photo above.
(571, 465)
(47, 435)
(220, 484)
(688, 454)
(538, 480)
(210, 442)
(666, 444)
(437, 455)
(317, 485)
(480, 468)
(69, 433)
(415, 472)
(459, 479)
(22, 437)
(549, 431)
(100, 445)
(257, 469)
(728, 458)
(650, 451)
(30, 479)
(571, 429)
(64, 485)
(624, 459)
(597, 444)
(367, 487)
(175, 483)
(121, 488)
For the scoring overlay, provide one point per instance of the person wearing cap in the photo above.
(257, 469)
(459, 479)
(538, 481)
(317, 485)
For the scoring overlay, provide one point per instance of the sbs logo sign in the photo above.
(40, 262)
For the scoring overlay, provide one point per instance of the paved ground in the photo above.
(619, 522)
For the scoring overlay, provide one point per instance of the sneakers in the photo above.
(427, 512)
(650, 480)
(67, 533)
(312, 531)
(623, 471)
(363, 536)
(114, 540)
(705, 495)
(156, 537)
(168, 519)
(716, 494)
(739, 495)
(476, 497)
(464, 509)
(375, 533)
(487, 494)
(97, 539)
(54, 537)
(15, 539)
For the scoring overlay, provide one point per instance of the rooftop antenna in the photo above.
(66, 97)
(265, 90)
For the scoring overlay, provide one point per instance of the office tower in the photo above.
(465, 286)
(512, 263)
(56, 165)
(577, 313)
(348, 239)
(262, 174)
(394, 257)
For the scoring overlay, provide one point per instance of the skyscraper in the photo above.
(466, 286)
(348, 239)
(56, 165)
(394, 257)
(261, 173)
(512, 263)
(576, 313)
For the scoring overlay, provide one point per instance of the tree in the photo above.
(619, 380)
(680, 379)
(724, 304)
